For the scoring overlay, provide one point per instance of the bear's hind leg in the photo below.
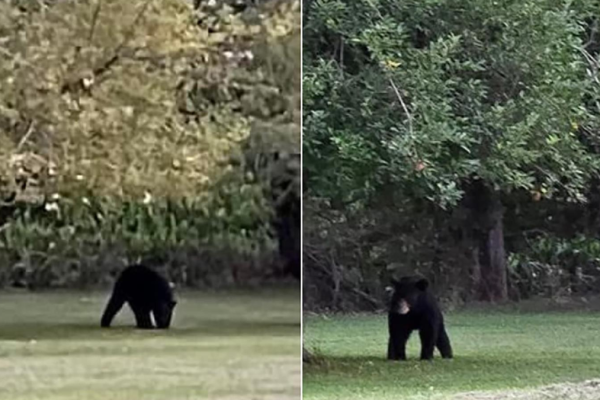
(112, 308)
(443, 343)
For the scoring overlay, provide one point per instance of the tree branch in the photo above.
(404, 107)
(26, 136)
(80, 82)
(94, 20)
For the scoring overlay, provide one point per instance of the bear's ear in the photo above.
(422, 284)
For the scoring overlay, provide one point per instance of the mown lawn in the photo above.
(493, 351)
(235, 345)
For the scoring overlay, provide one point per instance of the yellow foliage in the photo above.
(97, 80)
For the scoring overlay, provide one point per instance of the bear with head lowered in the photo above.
(147, 293)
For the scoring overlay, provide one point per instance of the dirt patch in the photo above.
(588, 390)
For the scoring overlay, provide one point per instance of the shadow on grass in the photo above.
(349, 367)
(240, 328)
(375, 377)
(27, 331)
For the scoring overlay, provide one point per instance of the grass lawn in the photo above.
(493, 351)
(235, 345)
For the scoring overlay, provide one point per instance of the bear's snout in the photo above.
(403, 307)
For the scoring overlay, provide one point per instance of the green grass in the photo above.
(235, 345)
(493, 351)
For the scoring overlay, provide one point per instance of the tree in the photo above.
(120, 122)
(461, 103)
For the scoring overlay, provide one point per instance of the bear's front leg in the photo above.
(428, 340)
(397, 345)
(142, 319)
(396, 350)
(399, 334)
(391, 353)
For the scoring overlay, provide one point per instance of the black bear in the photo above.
(413, 307)
(146, 292)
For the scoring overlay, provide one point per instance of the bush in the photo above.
(554, 267)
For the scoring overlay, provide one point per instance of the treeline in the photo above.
(159, 131)
(455, 139)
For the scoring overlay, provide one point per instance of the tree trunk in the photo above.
(488, 237)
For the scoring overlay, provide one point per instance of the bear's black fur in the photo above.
(413, 307)
(146, 292)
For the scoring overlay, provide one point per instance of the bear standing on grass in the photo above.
(413, 307)
(146, 292)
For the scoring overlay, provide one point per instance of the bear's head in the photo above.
(406, 293)
(164, 313)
